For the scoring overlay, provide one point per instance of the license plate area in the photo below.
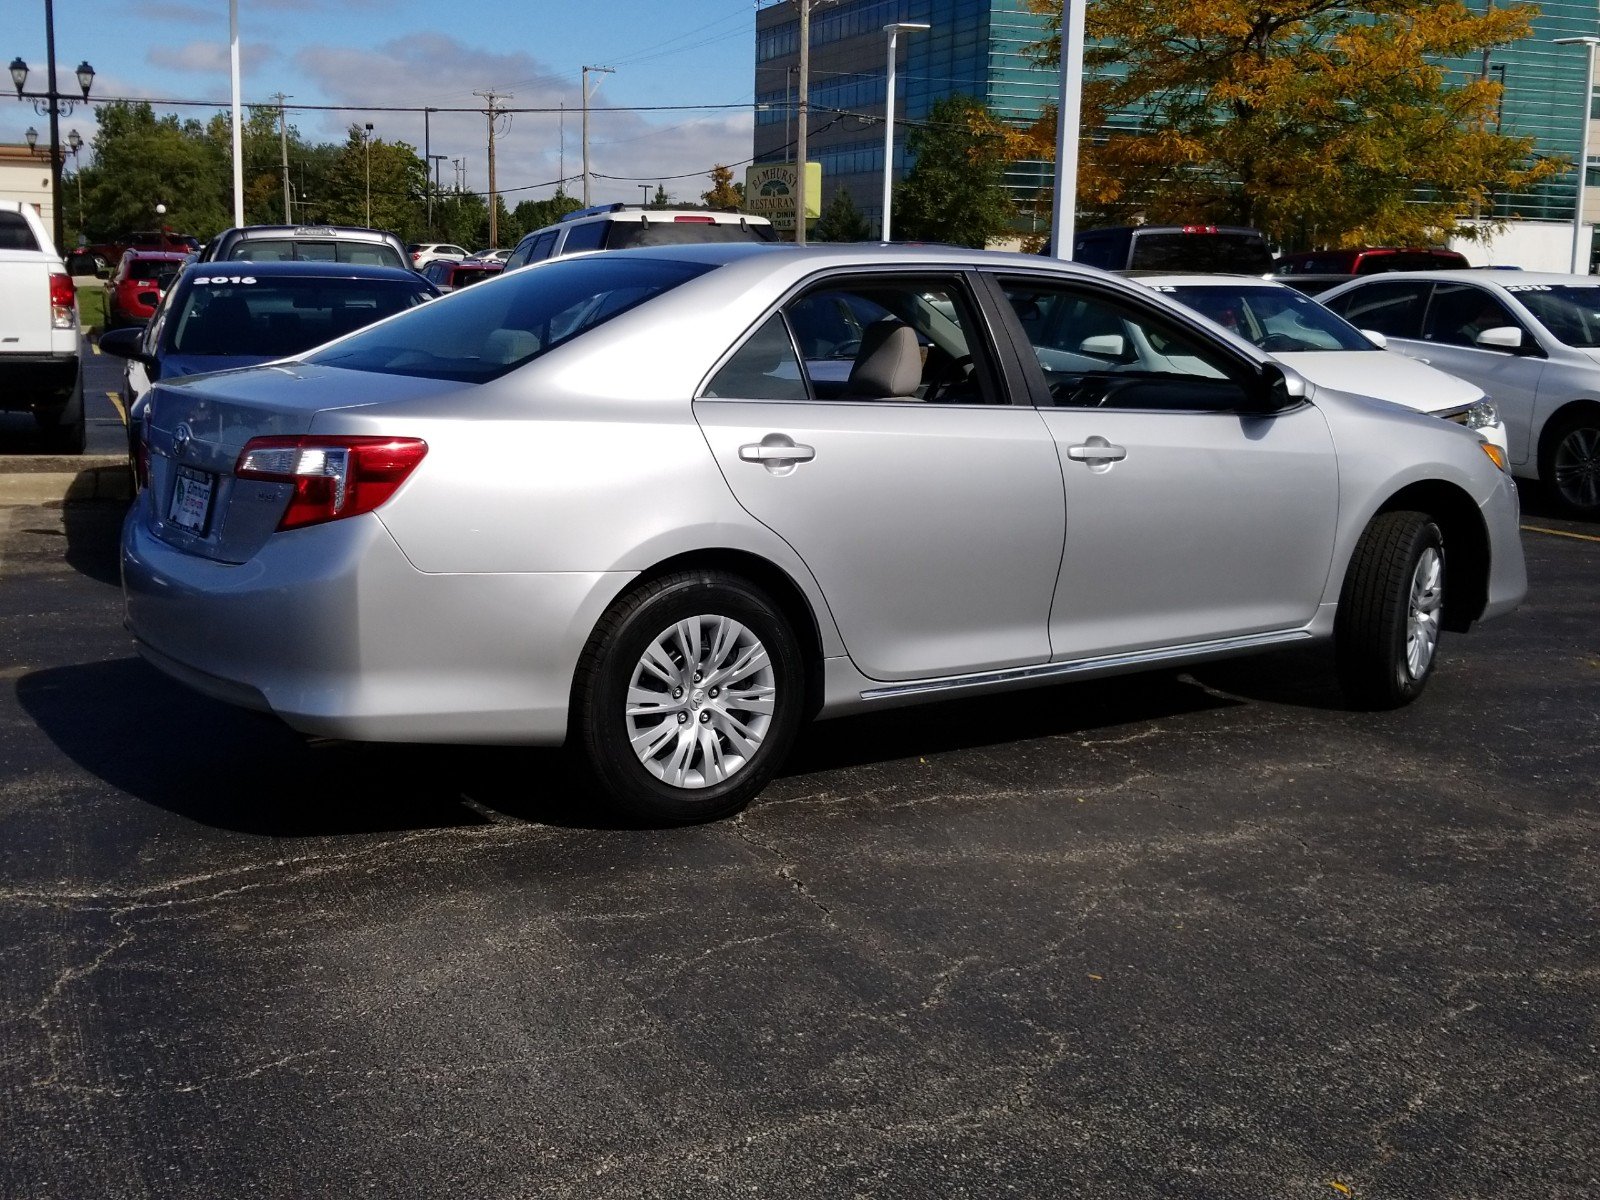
(192, 493)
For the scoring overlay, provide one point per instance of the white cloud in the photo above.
(440, 71)
(211, 57)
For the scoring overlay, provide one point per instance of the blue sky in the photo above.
(423, 52)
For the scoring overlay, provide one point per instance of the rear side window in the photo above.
(586, 235)
(480, 334)
(15, 233)
(1107, 251)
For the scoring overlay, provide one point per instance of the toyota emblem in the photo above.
(181, 440)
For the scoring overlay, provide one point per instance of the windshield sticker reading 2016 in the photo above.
(225, 279)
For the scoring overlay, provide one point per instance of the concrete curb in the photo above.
(35, 479)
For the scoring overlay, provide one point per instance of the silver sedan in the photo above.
(665, 505)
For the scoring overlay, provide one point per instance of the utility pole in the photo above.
(586, 70)
(494, 207)
(283, 144)
(435, 159)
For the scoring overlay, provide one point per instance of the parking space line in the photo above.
(1582, 537)
(116, 403)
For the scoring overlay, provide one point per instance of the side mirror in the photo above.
(124, 343)
(1104, 345)
(1501, 337)
(1276, 389)
(1376, 338)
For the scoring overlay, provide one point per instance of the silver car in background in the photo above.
(664, 505)
(1530, 340)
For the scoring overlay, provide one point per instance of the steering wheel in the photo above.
(946, 377)
(1282, 343)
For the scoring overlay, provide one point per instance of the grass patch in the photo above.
(92, 308)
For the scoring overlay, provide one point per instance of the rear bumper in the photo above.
(335, 632)
(32, 381)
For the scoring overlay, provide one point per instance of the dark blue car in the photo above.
(219, 316)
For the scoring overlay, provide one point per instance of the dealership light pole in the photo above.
(238, 119)
(55, 106)
(366, 142)
(888, 115)
(1580, 260)
(1069, 116)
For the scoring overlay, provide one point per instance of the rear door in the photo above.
(927, 506)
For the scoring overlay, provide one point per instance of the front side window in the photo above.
(482, 333)
(1461, 311)
(1392, 309)
(1098, 351)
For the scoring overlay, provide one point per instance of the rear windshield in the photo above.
(15, 234)
(246, 317)
(372, 254)
(683, 233)
(480, 334)
(163, 271)
(1232, 253)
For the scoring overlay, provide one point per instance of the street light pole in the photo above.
(1580, 260)
(888, 115)
(367, 143)
(55, 106)
(1069, 117)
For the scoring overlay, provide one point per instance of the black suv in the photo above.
(315, 243)
(1175, 249)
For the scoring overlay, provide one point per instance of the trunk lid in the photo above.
(198, 426)
(24, 303)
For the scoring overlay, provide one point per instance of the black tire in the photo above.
(64, 430)
(613, 663)
(1393, 593)
(1569, 462)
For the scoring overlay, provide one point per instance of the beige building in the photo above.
(25, 176)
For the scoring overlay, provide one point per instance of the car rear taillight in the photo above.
(333, 477)
(63, 302)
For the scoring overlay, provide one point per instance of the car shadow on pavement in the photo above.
(93, 532)
(154, 739)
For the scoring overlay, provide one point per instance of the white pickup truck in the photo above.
(40, 368)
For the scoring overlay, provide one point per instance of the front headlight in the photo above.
(1481, 415)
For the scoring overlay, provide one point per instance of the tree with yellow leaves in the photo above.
(1319, 121)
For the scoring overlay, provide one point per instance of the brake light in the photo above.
(684, 219)
(333, 477)
(63, 302)
(1199, 229)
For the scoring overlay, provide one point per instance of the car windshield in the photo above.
(1571, 312)
(1276, 318)
(246, 317)
(484, 332)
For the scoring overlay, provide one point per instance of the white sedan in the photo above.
(1327, 349)
(1531, 341)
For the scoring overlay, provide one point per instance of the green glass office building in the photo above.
(979, 48)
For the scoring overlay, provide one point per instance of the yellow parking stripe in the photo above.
(116, 402)
(1582, 537)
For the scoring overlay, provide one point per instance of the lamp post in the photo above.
(1580, 260)
(888, 115)
(436, 159)
(366, 143)
(53, 104)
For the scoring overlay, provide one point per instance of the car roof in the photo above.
(1218, 280)
(160, 255)
(1489, 275)
(305, 269)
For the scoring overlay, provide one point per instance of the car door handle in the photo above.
(1097, 450)
(776, 452)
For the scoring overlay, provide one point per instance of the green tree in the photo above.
(536, 214)
(841, 221)
(660, 199)
(398, 178)
(724, 192)
(953, 191)
(142, 161)
(1319, 121)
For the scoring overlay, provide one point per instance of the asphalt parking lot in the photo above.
(1178, 935)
